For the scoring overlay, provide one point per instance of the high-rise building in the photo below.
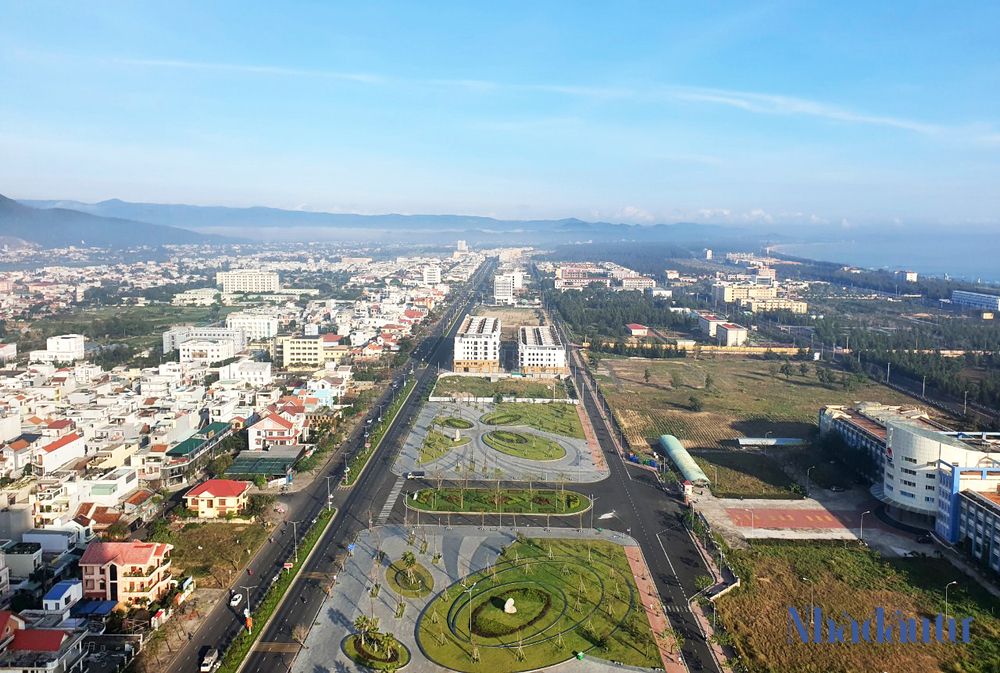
(247, 281)
(540, 351)
(432, 274)
(477, 345)
(463, 246)
(503, 289)
(256, 326)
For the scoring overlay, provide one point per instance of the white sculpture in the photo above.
(509, 607)
(458, 434)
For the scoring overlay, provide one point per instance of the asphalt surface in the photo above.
(354, 506)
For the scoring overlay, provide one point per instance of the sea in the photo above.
(971, 256)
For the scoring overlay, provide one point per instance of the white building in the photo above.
(62, 348)
(990, 302)
(202, 296)
(248, 281)
(8, 352)
(731, 335)
(256, 326)
(207, 351)
(254, 374)
(503, 289)
(477, 345)
(540, 351)
(175, 336)
(708, 323)
(432, 274)
(462, 246)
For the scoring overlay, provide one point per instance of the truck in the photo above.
(210, 661)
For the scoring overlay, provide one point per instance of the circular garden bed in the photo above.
(505, 417)
(421, 584)
(456, 423)
(524, 445)
(490, 621)
(380, 659)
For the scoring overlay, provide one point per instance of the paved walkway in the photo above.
(596, 455)
(577, 466)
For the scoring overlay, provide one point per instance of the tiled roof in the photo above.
(37, 640)
(219, 488)
(124, 553)
(61, 442)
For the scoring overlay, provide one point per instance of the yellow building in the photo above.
(216, 498)
(728, 293)
(760, 305)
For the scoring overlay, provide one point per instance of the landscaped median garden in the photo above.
(241, 646)
(505, 500)
(437, 445)
(572, 598)
(558, 418)
(378, 431)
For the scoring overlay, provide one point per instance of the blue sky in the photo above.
(786, 113)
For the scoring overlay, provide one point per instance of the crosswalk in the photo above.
(676, 608)
(383, 516)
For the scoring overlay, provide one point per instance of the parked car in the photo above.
(925, 539)
(235, 599)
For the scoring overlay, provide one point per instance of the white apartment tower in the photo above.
(62, 348)
(540, 351)
(463, 246)
(256, 326)
(432, 274)
(247, 281)
(503, 289)
(477, 345)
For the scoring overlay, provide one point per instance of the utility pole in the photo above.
(923, 387)
(295, 538)
(887, 372)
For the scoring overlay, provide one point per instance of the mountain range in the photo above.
(273, 224)
(55, 227)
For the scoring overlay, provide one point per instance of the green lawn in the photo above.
(566, 603)
(558, 418)
(421, 584)
(453, 423)
(481, 386)
(748, 475)
(376, 660)
(515, 501)
(524, 445)
(853, 580)
(436, 445)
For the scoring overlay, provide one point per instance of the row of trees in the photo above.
(599, 311)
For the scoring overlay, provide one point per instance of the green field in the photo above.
(436, 445)
(567, 601)
(744, 399)
(558, 418)
(508, 500)
(747, 475)
(481, 386)
(524, 445)
(853, 580)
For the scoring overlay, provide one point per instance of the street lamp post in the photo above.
(593, 503)
(862, 536)
(329, 493)
(806, 579)
(946, 598)
(716, 477)
(247, 591)
(808, 483)
(295, 538)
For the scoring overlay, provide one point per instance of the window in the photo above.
(930, 475)
(912, 484)
(929, 487)
(928, 499)
(907, 494)
(907, 470)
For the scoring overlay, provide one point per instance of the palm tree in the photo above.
(362, 624)
(390, 642)
(409, 561)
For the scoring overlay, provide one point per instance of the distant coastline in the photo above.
(970, 259)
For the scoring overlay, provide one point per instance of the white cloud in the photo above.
(634, 214)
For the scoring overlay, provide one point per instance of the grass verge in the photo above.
(514, 501)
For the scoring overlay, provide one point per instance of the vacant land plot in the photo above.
(507, 500)
(511, 319)
(571, 596)
(213, 552)
(481, 386)
(741, 398)
(853, 581)
(558, 418)
(747, 475)
(437, 444)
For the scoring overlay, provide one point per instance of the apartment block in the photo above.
(247, 281)
(175, 336)
(540, 351)
(728, 293)
(477, 345)
(133, 573)
(256, 326)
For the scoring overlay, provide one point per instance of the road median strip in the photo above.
(360, 461)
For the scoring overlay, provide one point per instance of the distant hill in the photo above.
(59, 227)
(295, 225)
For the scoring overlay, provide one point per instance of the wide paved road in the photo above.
(353, 504)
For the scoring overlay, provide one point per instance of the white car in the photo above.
(235, 600)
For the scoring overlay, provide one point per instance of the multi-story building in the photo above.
(503, 289)
(256, 326)
(989, 302)
(133, 573)
(247, 281)
(708, 323)
(432, 274)
(253, 374)
(202, 296)
(728, 293)
(8, 352)
(175, 336)
(477, 345)
(53, 455)
(62, 348)
(638, 283)
(207, 351)
(777, 304)
(540, 351)
(216, 498)
(730, 334)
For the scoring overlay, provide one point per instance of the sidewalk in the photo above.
(596, 454)
(654, 610)
(699, 614)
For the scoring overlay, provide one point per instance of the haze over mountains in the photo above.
(273, 224)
